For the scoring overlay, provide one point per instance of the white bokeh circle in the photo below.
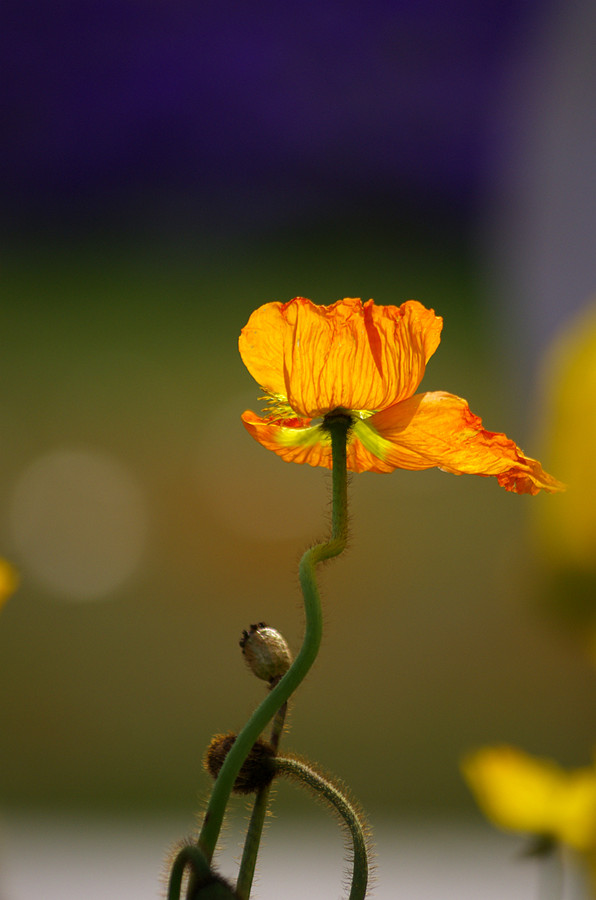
(78, 521)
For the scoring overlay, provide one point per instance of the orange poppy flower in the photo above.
(367, 361)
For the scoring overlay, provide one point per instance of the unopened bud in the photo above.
(257, 770)
(266, 652)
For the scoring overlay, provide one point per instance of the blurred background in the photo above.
(166, 169)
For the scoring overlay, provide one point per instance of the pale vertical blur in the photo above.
(567, 529)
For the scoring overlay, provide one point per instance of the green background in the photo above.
(434, 638)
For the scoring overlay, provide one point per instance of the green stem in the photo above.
(338, 426)
(187, 856)
(551, 884)
(304, 773)
(257, 820)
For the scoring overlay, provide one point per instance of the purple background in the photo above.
(238, 116)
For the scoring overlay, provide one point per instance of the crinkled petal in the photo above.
(438, 429)
(296, 440)
(349, 355)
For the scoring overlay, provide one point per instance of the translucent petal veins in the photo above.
(359, 356)
(439, 429)
(368, 360)
(295, 440)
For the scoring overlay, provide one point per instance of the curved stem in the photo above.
(338, 426)
(304, 773)
(257, 820)
(187, 856)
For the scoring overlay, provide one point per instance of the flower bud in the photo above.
(257, 770)
(266, 652)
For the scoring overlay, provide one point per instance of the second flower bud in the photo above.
(266, 652)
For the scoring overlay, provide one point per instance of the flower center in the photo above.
(277, 407)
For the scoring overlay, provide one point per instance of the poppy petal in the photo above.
(348, 355)
(438, 429)
(296, 440)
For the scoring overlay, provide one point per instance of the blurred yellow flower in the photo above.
(567, 530)
(9, 580)
(367, 361)
(519, 792)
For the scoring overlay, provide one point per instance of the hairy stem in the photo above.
(338, 426)
(206, 884)
(302, 772)
(257, 819)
